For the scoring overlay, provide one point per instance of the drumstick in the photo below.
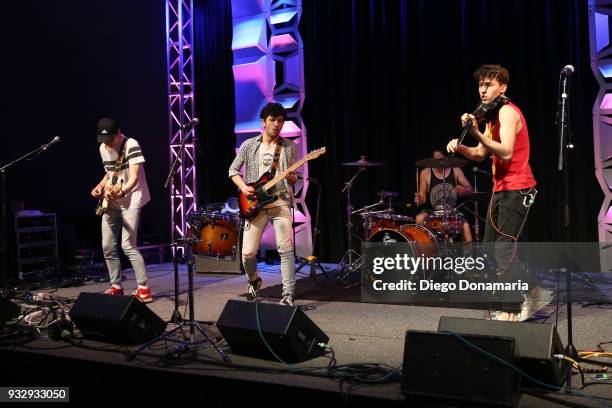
(416, 201)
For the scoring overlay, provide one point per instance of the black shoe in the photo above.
(253, 288)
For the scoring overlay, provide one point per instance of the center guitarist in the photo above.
(260, 154)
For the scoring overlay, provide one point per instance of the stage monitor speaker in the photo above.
(287, 330)
(439, 368)
(115, 319)
(536, 345)
(207, 264)
(8, 311)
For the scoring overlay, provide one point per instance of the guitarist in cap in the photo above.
(123, 191)
(258, 155)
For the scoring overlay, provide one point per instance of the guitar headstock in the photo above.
(316, 153)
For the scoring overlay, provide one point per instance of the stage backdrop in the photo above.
(390, 79)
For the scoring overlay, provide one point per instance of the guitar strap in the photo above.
(277, 151)
(119, 162)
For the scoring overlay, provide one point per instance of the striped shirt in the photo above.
(139, 195)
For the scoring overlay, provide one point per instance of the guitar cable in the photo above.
(531, 193)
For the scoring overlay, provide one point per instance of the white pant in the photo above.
(124, 222)
(282, 222)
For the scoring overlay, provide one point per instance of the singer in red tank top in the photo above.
(506, 140)
(514, 174)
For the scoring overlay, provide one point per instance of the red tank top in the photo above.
(514, 174)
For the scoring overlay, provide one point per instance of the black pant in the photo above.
(506, 217)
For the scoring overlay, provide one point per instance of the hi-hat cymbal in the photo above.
(445, 162)
(362, 163)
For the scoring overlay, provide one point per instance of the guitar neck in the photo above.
(284, 174)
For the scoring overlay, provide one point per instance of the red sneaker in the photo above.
(113, 290)
(143, 294)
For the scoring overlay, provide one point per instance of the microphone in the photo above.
(477, 170)
(55, 140)
(192, 123)
(567, 70)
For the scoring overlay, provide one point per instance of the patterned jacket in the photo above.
(248, 157)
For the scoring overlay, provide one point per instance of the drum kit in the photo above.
(215, 229)
(444, 224)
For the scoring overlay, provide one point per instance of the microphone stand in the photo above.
(563, 125)
(4, 212)
(188, 344)
(171, 178)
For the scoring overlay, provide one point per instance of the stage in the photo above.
(359, 333)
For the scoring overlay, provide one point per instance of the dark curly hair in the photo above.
(273, 109)
(440, 150)
(493, 71)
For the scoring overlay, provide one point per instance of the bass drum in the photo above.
(411, 233)
(422, 242)
(217, 234)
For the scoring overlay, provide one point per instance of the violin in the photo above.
(484, 111)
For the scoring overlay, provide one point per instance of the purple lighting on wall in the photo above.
(267, 43)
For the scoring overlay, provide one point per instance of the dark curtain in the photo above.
(214, 88)
(390, 79)
(66, 65)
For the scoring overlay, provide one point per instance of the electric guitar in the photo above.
(116, 187)
(251, 205)
(111, 183)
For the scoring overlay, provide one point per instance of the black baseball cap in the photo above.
(107, 129)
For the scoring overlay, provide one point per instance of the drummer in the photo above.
(433, 192)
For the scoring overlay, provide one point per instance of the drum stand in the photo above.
(348, 264)
(312, 260)
(187, 343)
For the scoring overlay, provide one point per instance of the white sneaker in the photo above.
(286, 300)
(536, 300)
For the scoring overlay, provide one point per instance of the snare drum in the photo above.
(374, 222)
(446, 223)
(217, 232)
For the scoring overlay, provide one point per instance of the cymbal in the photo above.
(373, 213)
(362, 163)
(477, 195)
(445, 162)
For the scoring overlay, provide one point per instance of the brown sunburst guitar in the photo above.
(251, 205)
